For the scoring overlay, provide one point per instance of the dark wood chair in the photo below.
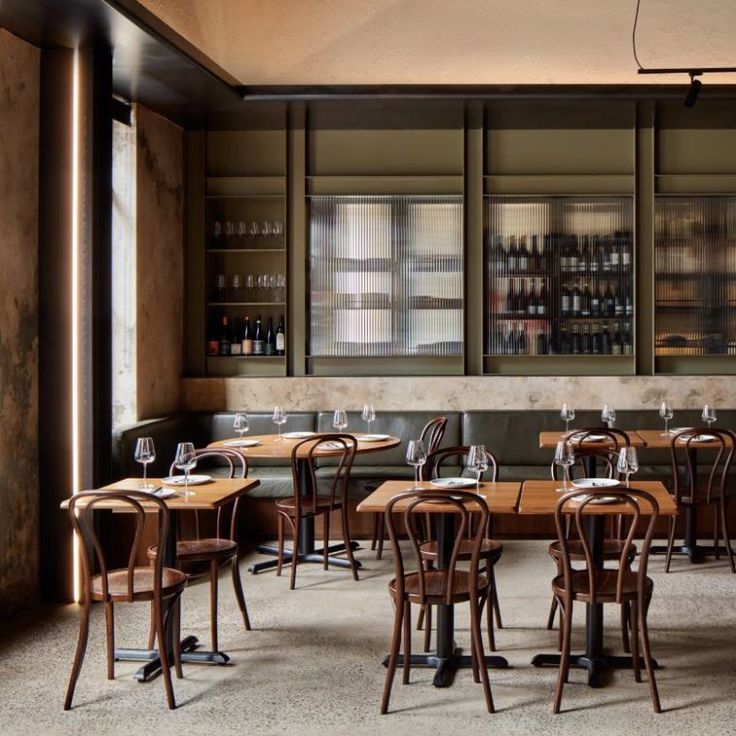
(594, 585)
(432, 434)
(430, 587)
(202, 556)
(491, 550)
(709, 490)
(298, 506)
(161, 586)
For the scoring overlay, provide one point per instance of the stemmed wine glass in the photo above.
(340, 420)
(241, 424)
(368, 415)
(477, 461)
(665, 411)
(608, 415)
(145, 453)
(709, 414)
(628, 462)
(567, 413)
(565, 459)
(279, 417)
(416, 455)
(186, 460)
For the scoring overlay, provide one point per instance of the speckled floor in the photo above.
(312, 664)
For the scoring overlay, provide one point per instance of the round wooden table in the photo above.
(272, 447)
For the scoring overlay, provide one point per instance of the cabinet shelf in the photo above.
(245, 250)
(246, 304)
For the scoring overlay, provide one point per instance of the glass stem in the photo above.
(567, 426)
(145, 468)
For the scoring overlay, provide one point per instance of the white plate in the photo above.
(675, 430)
(194, 480)
(588, 483)
(599, 499)
(578, 437)
(297, 435)
(698, 437)
(161, 492)
(329, 445)
(446, 483)
(241, 443)
(372, 437)
(439, 500)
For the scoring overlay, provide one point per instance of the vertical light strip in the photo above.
(76, 449)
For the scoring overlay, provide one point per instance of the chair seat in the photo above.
(194, 550)
(308, 505)
(605, 583)
(172, 582)
(612, 549)
(435, 586)
(490, 549)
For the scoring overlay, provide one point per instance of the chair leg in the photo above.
(325, 540)
(213, 602)
(238, 588)
(163, 651)
(552, 614)
(428, 628)
(635, 642)
(489, 618)
(393, 656)
(625, 618)
(496, 605)
(152, 629)
(79, 654)
(648, 657)
(374, 533)
(407, 642)
(346, 540)
(420, 618)
(110, 638)
(477, 644)
(294, 552)
(716, 521)
(280, 544)
(565, 627)
(176, 626)
(670, 544)
(726, 535)
(381, 535)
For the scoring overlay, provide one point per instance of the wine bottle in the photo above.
(605, 340)
(270, 338)
(597, 340)
(572, 259)
(535, 258)
(564, 346)
(213, 344)
(511, 260)
(521, 340)
(586, 347)
(576, 341)
(610, 301)
(523, 257)
(236, 345)
(542, 347)
(566, 301)
(617, 347)
(596, 264)
(616, 251)
(586, 301)
(499, 255)
(511, 298)
(564, 258)
(511, 341)
(542, 300)
(606, 260)
(544, 255)
(583, 261)
(247, 340)
(225, 338)
(628, 342)
(619, 307)
(626, 250)
(595, 302)
(281, 337)
(259, 345)
(628, 301)
(577, 306)
(531, 305)
(521, 299)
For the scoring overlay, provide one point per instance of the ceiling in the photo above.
(295, 42)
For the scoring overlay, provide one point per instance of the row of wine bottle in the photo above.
(583, 254)
(239, 339)
(580, 341)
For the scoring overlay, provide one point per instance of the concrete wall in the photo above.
(19, 488)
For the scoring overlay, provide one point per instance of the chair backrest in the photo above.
(81, 512)
(608, 458)
(432, 433)
(456, 456)
(342, 450)
(719, 453)
(633, 499)
(464, 505)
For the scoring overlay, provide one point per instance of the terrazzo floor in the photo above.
(312, 663)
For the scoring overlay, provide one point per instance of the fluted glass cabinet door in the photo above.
(385, 276)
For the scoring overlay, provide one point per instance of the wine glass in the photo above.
(229, 233)
(241, 424)
(665, 411)
(416, 455)
(145, 453)
(477, 461)
(628, 462)
(217, 232)
(340, 420)
(237, 294)
(565, 459)
(608, 415)
(279, 417)
(242, 233)
(368, 415)
(709, 414)
(567, 413)
(186, 460)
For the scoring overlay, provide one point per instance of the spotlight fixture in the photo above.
(693, 90)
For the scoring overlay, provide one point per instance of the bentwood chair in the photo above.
(201, 556)
(430, 587)
(708, 490)
(159, 585)
(292, 510)
(491, 549)
(431, 435)
(600, 586)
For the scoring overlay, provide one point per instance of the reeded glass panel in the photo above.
(559, 275)
(695, 267)
(385, 276)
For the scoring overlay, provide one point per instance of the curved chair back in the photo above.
(81, 513)
(632, 499)
(438, 458)
(432, 433)
(459, 503)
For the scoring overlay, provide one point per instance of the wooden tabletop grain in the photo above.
(550, 439)
(656, 439)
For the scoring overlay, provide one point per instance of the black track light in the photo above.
(693, 90)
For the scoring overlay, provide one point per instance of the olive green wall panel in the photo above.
(246, 153)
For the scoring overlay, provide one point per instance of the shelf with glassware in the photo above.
(559, 278)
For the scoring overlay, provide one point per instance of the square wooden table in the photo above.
(540, 497)
(549, 439)
(502, 498)
(207, 497)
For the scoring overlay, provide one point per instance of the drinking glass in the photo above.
(186, 460)
(145, 453)
(567, 413)
(242, 233)
(477, 461)
(368, 415)
(217, 233)
(220, 288)
(253, 230)
(709, 414)
(266, 229)
(241, 424)
(608, 415)
(229, 233)
(278, 228)
(250, 285)
(565, 459)
(665, 411)
(237, 295)
(628, 462)
(416, 455)
(279, 417)
(340, 420)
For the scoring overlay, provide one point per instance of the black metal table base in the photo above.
(446, 667)
(594, 665)
(152, 668)
(696, 554)
(311, 556)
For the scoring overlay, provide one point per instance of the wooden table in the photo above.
(540, 497)
(272, 447)
(502, 498)
(207, 497)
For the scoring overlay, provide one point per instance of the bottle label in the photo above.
(247, 347)
(565, 304)
(224, 347)
(576, 303)
(258, 347)
(280, 342)
(270, 348)
(541, 309)
(626, 259)
(236, 348)
(614, 259)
